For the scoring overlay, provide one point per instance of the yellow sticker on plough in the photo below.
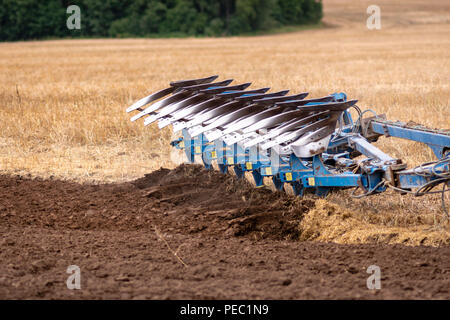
(288, 176)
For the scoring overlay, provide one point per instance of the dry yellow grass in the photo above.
(330, 222)
(62, 102)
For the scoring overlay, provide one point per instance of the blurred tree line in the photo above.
(35, 19)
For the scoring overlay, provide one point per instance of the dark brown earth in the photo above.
(189, 233)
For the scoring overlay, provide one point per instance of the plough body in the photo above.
(309, 144)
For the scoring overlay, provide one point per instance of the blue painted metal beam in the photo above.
(437, 141)
(368, 149)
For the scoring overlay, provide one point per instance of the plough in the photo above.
(309, 144)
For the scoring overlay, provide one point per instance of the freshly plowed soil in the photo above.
(189, 233)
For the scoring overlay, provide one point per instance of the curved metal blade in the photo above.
(198, 87)
(190, 85)
(280, 118)
(257, 97)
(167, 110)
(297, 103)
(251, 120)
(273, 133)
(234, 137)
(227, 107)
(191, 82)
(295, 134)
(217, 90)
(184, 94)
(153, 97)
(162, 103)
(271, 101)
(196, 111)
(272, 121)
(228, 119)
(334, 106)
(312, 143)
(243, 93)
(189, 111)
(218, 110)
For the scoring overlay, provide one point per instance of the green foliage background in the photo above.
(37, 19)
